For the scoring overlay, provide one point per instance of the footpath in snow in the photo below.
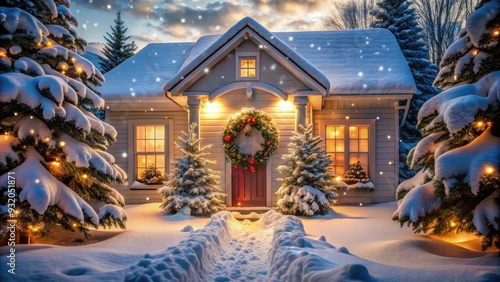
(272, 248)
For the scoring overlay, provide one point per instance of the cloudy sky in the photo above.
(174, 20)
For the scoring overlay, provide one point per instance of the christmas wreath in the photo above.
(246, 120)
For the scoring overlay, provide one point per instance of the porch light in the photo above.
(285, 106)
(212, 107)
(489, 170)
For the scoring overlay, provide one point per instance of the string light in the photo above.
(338, 178)
(239, 204)
(46, 139)
(74, 224)
(475, 52)
(62, 143)
(480, 123)
(490, 170)
(78, 70)
(496, 33)
(85, 176)
(453, 224)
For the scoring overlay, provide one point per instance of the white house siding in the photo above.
(385, 147)
(120, 120)
(214, 118)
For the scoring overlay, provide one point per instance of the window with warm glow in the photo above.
(248, 67)
(149, 148)
(347, 144)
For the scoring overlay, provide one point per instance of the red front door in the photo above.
(249, 188)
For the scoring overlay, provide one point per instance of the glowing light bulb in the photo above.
(490, 170)
(475, 52)
(338, 178)
(49, 44)
(85, 176)
(56, 163)
(62, 143)
(147, 198)
(74, 224)
(15, 114)
(453, 224)
(345, 193)
(16, 211)
(480, 123)
(37, 181)
(496, 33)
(239, 204)
(346, 117)
(360, 204)
(78, 70)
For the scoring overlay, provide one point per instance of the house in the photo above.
(349, 84)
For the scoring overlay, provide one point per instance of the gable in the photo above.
(270, 70)
(208, 56)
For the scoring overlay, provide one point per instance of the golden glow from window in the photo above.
(150, 148)
(248, 67)
(347, 145)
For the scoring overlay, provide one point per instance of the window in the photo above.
(347, 144)
(247, 65)
(149, 148)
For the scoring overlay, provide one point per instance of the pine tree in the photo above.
(308, 185)
(116, 49)
(399, 18)
(355, 174)
(54, 168)
(152, 175)
(192, 188)
(459, 187)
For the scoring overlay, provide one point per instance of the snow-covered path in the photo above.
(245, 256)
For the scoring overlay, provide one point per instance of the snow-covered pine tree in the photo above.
(53, 146)
(116, 49)
(308, 185)
(459, 187)
(152, 175)
(192, 187)
(355, 174)
(399, 18)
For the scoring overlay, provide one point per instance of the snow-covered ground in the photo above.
(352, 243)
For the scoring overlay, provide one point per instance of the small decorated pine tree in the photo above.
(355, 174)
(192, 186)
(308, 185)
(152, 175)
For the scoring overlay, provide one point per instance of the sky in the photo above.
(180, 21)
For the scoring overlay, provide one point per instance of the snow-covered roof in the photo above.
(350, 62)
(144, 74)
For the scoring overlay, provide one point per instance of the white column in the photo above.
(194, 106)
(300, 110)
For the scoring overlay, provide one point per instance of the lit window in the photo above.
(149, 148)
(248, 67)
(347, 144)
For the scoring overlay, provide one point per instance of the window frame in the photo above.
(132, 152)
(354, 122)
(242, 55)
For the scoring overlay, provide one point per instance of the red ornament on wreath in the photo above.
(228, 138)
(251, 121)
(252, 161)
(265, 154)
(268, 143)
(252, 168)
